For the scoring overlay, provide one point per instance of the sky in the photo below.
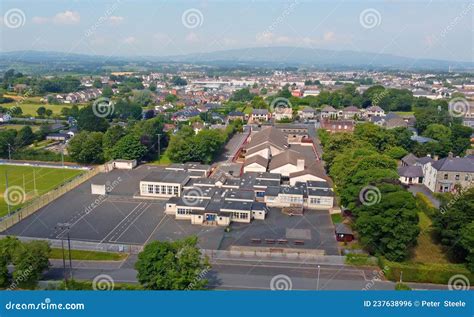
(419, 29)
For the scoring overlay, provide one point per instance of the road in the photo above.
(233, 145)
(244, 275)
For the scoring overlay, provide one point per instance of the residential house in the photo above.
(260, 115)
(444, 174)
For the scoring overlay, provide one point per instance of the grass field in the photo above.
(87, 255)
(426, 250)
(27, 182)
(18, 127)
(30, 109)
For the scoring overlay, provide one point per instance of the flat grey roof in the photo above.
(175, 177)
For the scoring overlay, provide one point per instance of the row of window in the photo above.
(160, 189)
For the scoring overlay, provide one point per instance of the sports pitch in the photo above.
(28, 182)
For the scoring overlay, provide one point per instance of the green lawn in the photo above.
(18, 127)
(24, 178)
(30, 108)
(87, 255)
(336, 218)
(426, 250)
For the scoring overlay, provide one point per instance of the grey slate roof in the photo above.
(455, 164)
(410, 171)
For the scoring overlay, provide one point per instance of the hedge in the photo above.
(360, 259)
(423, 273)
(424, 204)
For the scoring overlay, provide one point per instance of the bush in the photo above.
(360, 259)
(423, 273)
(402, 287)
(424, 204)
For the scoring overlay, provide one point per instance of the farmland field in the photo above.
(30, 109)
(27, 182)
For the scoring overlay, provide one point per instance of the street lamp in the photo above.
(317, 283)
(66, 226)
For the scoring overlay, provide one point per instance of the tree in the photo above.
(128, 148)
(30, 260)
(438, 132)
(8, 245)
(452, 224)
(48, 112)
(467, 242)
(24, 137)
(177, 265)
(110, 138)
(396, 152)
(97, 83)
(86, 147)
(107, 92)
(389, 228)
(178, 81)
(87, 120)
(243, 94)
(143, 98)
(41, 111)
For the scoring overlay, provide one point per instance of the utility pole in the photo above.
(159, 147)
(66, 227)
(317, 283)
(6, 190)
(62, 154)
(34, 182)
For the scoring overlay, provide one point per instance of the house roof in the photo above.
(410, 171)
(455, 164)
(285, 157)
(256, 159)
(270, 135)
(409, 159)
(351, 109)
(342, 228)
(315, 169)
(328, 108)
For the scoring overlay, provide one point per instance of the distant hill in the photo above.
(257, 56)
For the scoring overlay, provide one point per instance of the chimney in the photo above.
(300, 164)
(450, 155)
(436, 157)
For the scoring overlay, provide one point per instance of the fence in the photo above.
(87, 245)
(34, 205)
(261, 255)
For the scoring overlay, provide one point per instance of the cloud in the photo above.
(129, 40)
(270, 38)
(329, 36)
(192, 38)
(67, 17)
(115, 20)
